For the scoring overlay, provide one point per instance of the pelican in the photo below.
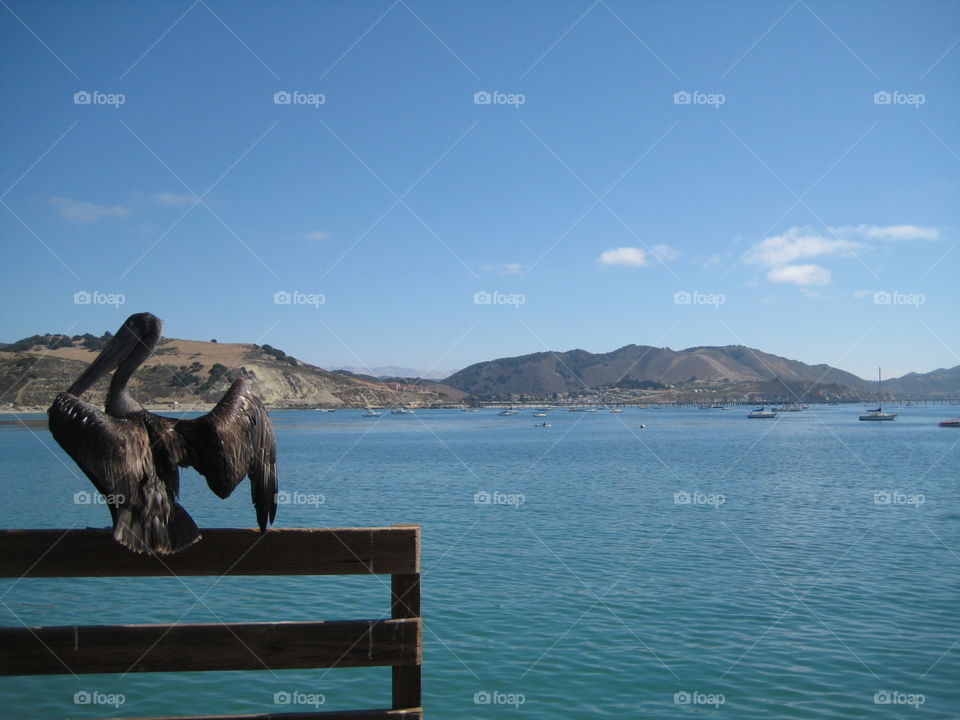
(131, 455)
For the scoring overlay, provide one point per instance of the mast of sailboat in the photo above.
(879, 391)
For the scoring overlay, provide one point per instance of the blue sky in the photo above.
(803, 200)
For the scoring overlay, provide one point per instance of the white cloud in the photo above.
(631, 256)
(797, 244)
(891, 232)
(173, 199)
(710, 261)
(82, 212)
(504, 268)
(318, 235)
(665, 253)
(800, 275)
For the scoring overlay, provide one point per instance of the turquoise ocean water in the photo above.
(705, 566)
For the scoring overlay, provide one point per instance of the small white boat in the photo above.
(401, 411)
(762, 413)
(539, 414)
(616, 411)
(878, 414)
(508, 411)
(371, 413)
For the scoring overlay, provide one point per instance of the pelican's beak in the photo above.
(126, 340)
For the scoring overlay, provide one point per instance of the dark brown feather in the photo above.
(232, 441)
(128, 461)
(133, 456)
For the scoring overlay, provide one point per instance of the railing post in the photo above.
(405, 603)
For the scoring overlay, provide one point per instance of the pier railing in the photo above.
(395, 641)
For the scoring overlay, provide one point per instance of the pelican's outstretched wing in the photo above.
(117, 454)
(234, 440)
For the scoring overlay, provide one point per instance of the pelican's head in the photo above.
(132, 344)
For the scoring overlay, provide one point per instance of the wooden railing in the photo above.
(394, 642)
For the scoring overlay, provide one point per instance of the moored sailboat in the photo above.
(878, 414)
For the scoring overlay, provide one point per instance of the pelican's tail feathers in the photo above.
(154, 533)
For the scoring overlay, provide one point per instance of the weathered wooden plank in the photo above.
(405, 603)
(198, 647)
(284, 551)
(404, 714)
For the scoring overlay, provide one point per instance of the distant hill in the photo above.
(392, 371)
(190, 373)
(193, 373)
(944, 382)
(573, 371)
